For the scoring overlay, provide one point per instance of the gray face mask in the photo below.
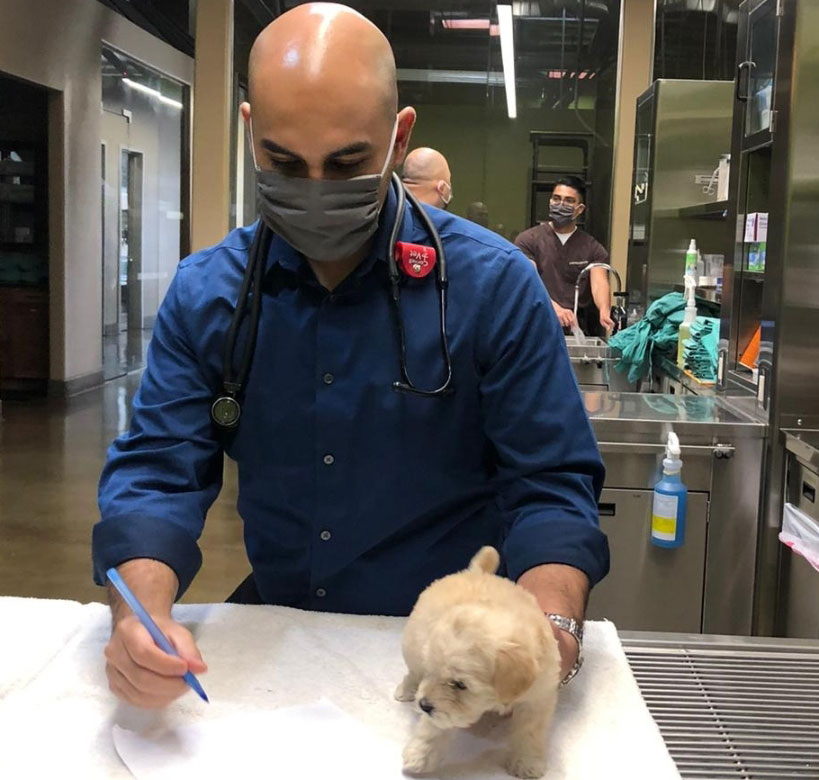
(561, 214)
(325, 219)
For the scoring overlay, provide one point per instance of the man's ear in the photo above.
(580, 209)
(406, 121)
(244, 110)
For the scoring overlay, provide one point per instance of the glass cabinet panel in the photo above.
(762, 37)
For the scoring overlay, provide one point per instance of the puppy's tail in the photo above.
(486, 559)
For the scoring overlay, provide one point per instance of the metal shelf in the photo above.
(717, 209)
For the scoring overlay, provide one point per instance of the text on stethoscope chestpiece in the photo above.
(415, 260)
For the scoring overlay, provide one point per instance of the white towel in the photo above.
(262, 658)
(46, 626)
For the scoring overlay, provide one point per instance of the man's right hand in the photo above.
(565, 316)
(142, 674)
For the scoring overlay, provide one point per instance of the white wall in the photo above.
(57, 43)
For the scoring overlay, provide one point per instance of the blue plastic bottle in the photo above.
(670, 500)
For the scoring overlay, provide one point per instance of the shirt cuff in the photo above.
(581, 545)
(120, 539)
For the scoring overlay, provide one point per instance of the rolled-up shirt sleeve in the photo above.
(549, 467)
(162, 475)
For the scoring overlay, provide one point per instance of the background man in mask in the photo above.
(426, 175)
(561, 251)
(354, 496)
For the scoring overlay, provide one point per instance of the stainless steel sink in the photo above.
(590, 352)
(593, 363)
(591, 341)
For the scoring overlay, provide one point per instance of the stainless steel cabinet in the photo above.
(800, 581)
(650, 588)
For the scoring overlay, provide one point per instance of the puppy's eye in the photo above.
(458, 684)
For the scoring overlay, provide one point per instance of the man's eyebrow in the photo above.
(356, 148)
(274, 148)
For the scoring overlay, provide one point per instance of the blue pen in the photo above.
(153, 629)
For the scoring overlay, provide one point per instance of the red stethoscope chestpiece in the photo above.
(415, 260)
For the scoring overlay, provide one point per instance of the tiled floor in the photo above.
(51, 453)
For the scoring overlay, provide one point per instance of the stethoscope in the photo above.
(227, 409)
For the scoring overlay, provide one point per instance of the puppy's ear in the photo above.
(515, 671)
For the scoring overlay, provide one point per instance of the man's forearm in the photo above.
(560, 589)
(152, 582)
(601, 289)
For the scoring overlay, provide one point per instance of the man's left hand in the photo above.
(606, 321)
(567, 645)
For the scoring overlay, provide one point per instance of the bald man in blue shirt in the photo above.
(354, 495)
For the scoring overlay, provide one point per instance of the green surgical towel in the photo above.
(700, 351)
(658, 329)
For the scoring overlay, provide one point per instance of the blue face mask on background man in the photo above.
(325, 219)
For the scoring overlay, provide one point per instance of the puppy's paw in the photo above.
(406, 689)
(419, 757)
(528, 766)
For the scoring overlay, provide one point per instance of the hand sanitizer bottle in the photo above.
(670, 499)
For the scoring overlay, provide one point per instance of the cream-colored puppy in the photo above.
(478, 643)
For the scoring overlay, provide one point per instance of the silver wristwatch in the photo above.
(576, 630)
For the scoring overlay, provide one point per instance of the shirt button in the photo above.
(329, 460)
(321, 593)
(325, 536)
(328, 378)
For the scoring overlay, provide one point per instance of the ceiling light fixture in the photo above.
(508, 58)
(471, 24)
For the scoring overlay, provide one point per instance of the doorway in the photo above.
(124, 337)
(24, 246)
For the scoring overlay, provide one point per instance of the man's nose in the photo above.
(426, 705)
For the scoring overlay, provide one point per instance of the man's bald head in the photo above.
(318, 45)
(426, 174)
(323, 97)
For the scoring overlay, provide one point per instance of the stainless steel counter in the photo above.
(731, 707)
(707, 584)
(702, 418)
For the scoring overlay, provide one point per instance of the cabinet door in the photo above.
(24, 326)
(650, 588)
(756, 71)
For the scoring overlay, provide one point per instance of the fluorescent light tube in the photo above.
(152, 92)
(507, 41)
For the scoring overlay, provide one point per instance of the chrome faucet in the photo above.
(585, 271)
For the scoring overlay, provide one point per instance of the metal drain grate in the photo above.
(732, 712)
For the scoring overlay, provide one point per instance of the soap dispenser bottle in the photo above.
(670, 500)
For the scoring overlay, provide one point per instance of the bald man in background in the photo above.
(355, 494)
(426, 175)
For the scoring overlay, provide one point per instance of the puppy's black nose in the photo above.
(426, 705)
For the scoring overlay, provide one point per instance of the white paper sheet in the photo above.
(315, 741)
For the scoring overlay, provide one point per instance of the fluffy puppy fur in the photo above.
(478, 643)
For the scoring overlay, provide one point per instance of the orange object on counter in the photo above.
(750, 357)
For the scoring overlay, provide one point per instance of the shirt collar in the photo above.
(283, 257)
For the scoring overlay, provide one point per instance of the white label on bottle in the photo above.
(664, 517)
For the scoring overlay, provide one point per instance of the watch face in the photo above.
(226, 411)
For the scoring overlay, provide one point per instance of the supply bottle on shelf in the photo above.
(688, 320)
(670, 500)
(691, 258)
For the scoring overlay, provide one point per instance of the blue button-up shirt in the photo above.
(354, 496)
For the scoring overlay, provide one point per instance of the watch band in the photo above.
(574, 628)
